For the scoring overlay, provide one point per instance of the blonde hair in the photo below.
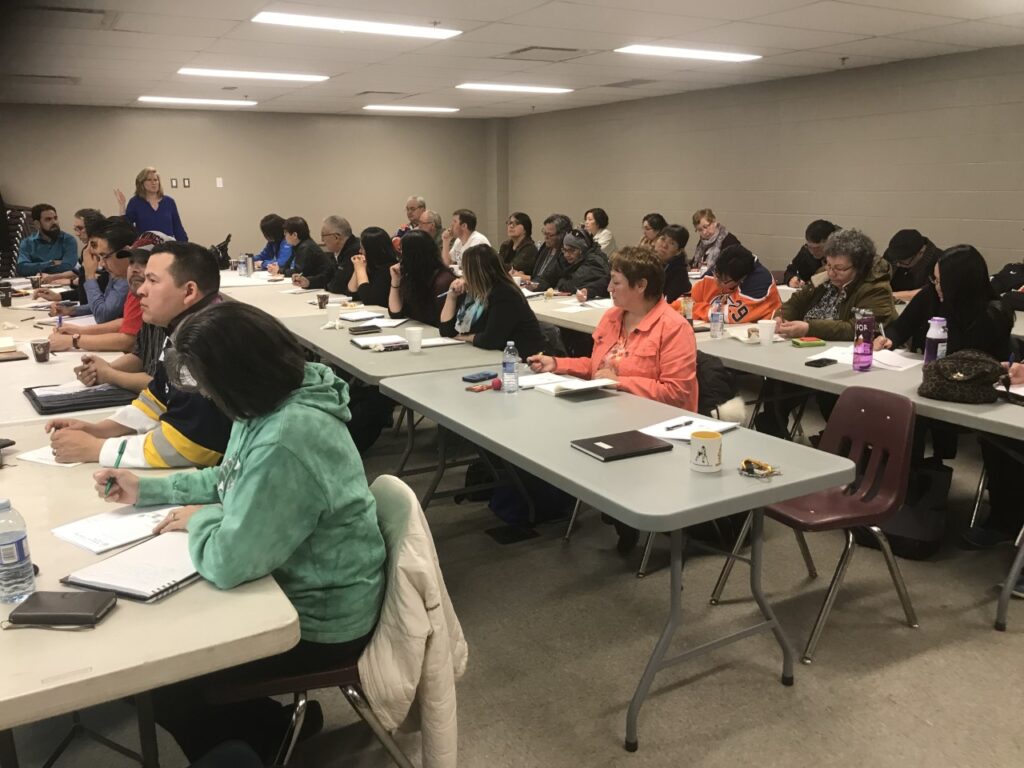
(704, 213)
(482, 270)
(140, 181)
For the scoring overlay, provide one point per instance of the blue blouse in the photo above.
(164, 219)
(280, 252)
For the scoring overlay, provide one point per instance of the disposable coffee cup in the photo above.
(5, 297)
(706, 451)
(35, 280)
(41, 350)
(414, 336)
(767, 330)
(322, 299)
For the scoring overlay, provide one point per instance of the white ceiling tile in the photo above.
(746, 34)
(203, 9)
(1013, 20)
(171, 25)
(729, 10)
(830, 61)
(518, 36)
(964, 9)
(560, 15)
(893, 48)
(844, 17)
(972, 34)
(481, 10)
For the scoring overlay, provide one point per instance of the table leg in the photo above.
(410, 439)
(661, 647)
(8, 755)
(442, 463)
(756, 552)
(147, 730)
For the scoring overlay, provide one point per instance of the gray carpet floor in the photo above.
(559, 635)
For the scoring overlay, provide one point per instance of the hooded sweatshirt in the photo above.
(873, 292)
(290, 499)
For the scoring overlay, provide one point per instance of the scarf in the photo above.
(706, 253)
(469, 312)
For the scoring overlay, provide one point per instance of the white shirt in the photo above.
(475, 238)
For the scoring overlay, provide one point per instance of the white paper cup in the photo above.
(414, 335)
(706, 452)
(767, 330)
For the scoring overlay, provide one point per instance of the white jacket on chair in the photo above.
(418, 650)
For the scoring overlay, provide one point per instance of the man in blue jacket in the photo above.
(49, 249)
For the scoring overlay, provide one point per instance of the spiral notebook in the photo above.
(147, 572)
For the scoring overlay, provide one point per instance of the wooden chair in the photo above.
(875, 430)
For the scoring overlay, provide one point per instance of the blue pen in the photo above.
(60, 321)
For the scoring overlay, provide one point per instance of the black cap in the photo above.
(137, 255)
(904, 245)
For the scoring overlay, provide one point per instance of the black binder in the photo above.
(103, 396)
(621, 445)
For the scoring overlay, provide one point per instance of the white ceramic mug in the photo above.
(706, 451)
(766, 328)
(414, 335)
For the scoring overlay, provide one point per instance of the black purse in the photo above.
(967, 376)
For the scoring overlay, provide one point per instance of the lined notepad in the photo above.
(109, 530)
(148, 571)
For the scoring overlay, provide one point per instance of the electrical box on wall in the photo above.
(186, 182)
(220, 182)
(174, 183)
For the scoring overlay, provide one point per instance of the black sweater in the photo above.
(343, 273)
(506, 316)
(803, 265)
(989, 332)
(310, 261)
(677, 279)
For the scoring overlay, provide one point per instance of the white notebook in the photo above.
(110, 530)
(572, 386)
(148, 571)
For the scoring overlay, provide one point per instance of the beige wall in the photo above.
(363, 168)
(935, 144)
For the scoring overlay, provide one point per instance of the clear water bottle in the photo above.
(863, 339)
(716, 317)
(16, 578)
(510, 368)
(935, 340)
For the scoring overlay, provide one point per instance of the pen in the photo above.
(30, 317)
(60, 321)
(679, 425)
(442, 295)
(117, 463)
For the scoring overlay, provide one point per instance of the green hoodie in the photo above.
(290, 499)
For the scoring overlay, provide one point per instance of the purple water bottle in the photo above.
(935, 341)
(863, 338)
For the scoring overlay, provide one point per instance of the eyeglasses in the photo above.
(514, 223)
(839, 270)
(330, 234)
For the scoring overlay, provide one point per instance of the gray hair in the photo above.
(435, 218)
(856, 246)
(562, 222)
(420, 202)
(339, 224)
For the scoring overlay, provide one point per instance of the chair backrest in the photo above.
(874, 429)
(396, 504)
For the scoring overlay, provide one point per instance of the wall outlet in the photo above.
(186, 182)
(174, 183)
(220, 182)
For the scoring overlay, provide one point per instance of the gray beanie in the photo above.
(573, 241)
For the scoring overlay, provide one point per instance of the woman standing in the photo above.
(371, 267)
(150, 210)
(595, 221)
(713, 238)
(519, 252)
(420, 281)
(487, 309)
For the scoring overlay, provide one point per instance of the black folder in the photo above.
(621, 445)
(103, 396)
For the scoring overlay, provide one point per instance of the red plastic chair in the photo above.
(874, 429)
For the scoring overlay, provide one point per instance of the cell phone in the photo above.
(821, 362)
(473, 378)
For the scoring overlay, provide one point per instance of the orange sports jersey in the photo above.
(755, 298)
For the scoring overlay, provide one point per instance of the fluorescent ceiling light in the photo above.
(406, 108)
(352, 25)
(198, 102)
(686, 53)
(237, 73)
(512, 88)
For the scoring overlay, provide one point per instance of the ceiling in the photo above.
(109, 52)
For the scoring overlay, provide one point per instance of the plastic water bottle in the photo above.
(717, 320)
(863, 339)
(935, 340)
(16, 578)
(510, 368)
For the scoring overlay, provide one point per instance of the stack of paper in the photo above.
(683, 427)
(536, 379)
(362, 314)
(441, 341)
(109, 530)
(573, 386)
(78, 320)
(381, 323)
(385, 340)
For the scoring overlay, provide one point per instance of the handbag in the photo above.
(967, 376)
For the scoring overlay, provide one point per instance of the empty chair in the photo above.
(875, 430)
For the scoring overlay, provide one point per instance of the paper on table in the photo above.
(896, 360)
(530, 294)
(301, 290)
(70, 388)
(363, 314)
(690, 424)
(79, 320)
(536, 379)
(365, 342)
(333, 301)
(841, 354)
(381, 323)
(573, 308)
(739, 332)
(441, 341)
(45, 456)
(599, 303)
(109, 530)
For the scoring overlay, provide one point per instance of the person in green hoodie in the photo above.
(290, 499)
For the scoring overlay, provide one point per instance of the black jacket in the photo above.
(912, 278)
(378, 288)
(310, 261)
(343, 271)
(803, 265)
(522, 259)
(590, 272)
(989, 332)
(677, 278)
(506, 316)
